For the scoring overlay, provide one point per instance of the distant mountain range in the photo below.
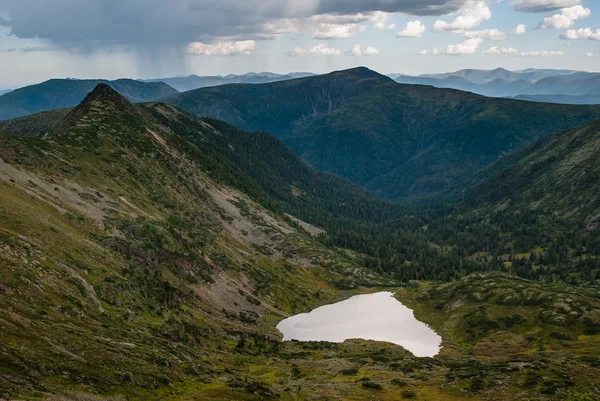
(63, 93)
(398, 141)
(191, 82)
(538, 85)
(552, 86)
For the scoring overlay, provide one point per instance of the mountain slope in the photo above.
(562, 99)
(399, 141)
(63, 93)
(535, 212)
(558, 174)
(139, 262)
(127, 270)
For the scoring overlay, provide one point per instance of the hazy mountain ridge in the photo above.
(191, 82)
(64, 93)
(574, 87)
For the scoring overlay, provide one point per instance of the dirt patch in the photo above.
(309, 228)
(86, 201)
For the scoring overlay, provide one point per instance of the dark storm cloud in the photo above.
(162, 22)
(414, 7)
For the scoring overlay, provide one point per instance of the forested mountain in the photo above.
(556, 175)
(536, 209)
(63, 93)
(398, 141)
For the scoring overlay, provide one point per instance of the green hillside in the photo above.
(127, 269)
(558, 174)
(64, 93)
(398, 141)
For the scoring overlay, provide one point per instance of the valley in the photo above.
(148, 253)
(286, 200)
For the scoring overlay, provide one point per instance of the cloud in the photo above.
(566, 18)
(469, 46)
(583, 33)
(33, 49)
(379, 20)
(327, 26)
(511, 51)
(357, 51)
(412, 7)
(520, 30)
(486, 34)
(237, 48)
(413, 29)
(371, 51)
(542, 6)
(336, 31)
(95, 23)
(589, 54)
(473, 14)
(318, 50)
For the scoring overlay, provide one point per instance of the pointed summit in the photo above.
(103, 93)
(101, 108)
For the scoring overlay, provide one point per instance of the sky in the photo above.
(42, 39)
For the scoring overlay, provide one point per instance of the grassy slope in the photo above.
(126, 270)
(510, 338)
(397, 140)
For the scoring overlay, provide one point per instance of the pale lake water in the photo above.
(378, 317)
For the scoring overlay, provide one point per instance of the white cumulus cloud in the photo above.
(583, 33)
(318, 50)
(540, 6)
(413, 29)
(379, 20)
(590, 54)
(328, 26)
(357, 51)
(336, 31)
(520, 30)
(486, 34)
(511, 51)
(469, 46)
(473, 14)
(566, 18)
(371, 51)
(231, 48)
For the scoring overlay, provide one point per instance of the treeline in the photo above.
(435, 242)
